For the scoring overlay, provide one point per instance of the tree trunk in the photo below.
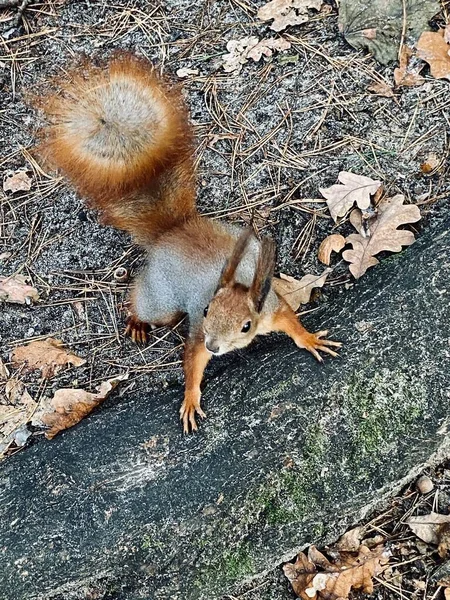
(292, 452)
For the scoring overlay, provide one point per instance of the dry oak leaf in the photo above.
(353, 570)
(16, 290)
(287, 12)
(384, 235)
(355, 188)
(332, 243)
(351, 540)
(266, 48)
(433, 528)
(408, 73)
(16, 181)
(69, 406)
(381, 88)
(296, 292)
(433, 48)
(48, 355)
(240, 51)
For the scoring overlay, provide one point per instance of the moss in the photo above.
(380, 409)
(150, 543)
(230, 566)
(285, 496)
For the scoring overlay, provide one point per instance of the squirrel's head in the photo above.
(231, 318)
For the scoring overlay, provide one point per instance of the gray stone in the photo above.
(292, 453)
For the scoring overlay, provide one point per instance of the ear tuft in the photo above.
(262, 280)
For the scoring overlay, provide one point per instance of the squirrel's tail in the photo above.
(121, 135)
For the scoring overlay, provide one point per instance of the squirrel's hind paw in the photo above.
(137, 330)
(190, 406)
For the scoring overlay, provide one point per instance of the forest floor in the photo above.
(268, 138)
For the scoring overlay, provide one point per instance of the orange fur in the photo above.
(121, 135)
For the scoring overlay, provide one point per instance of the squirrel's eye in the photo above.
(246, 327)
(205, 311)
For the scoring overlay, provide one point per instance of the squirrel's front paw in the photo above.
(314, 342)
(137, 330)
(190, 406)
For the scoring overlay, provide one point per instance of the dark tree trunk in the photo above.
(292, 452)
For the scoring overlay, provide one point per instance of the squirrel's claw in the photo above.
(137, 330)
(315, 343)
(190, 406)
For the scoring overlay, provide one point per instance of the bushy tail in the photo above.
(121, 135)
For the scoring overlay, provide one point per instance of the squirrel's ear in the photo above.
(264, 272)
(229, 271)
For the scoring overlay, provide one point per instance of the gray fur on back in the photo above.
(173, 282)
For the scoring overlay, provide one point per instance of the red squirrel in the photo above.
(120, 133)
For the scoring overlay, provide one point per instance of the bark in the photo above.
(292, 452)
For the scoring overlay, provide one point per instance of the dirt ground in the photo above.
(268, 138)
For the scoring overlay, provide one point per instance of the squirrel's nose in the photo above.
(212, 346)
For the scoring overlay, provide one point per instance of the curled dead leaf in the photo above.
(381, 88)
(427, 527)
(433, 49)
(408, 73)
(295, 291)
(314, 576)
(332, 243)
(384, 235)
(354, 189)
(351, 540)
(240, 51)
(287, 12)
(431, 163)
(15, 289)
(69, 406)
(16, 410)
(48, 355)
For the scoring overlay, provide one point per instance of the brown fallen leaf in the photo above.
(16, 181)
(240, 51)
(433, 48)
(16, 290)
(381, 88)
(287, 12)
(48, 355)
(384, 235)
(314, 576)
(295, 291)
(379, 26)
(354, 188)
(300, 574)
(432, 528)
(408, 73)
(431, 163)
(351, 540)
(332, 243)
(69, 406)
(16, 410)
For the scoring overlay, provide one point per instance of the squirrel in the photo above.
(120, 133)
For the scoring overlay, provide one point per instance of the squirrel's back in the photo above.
(121, 134)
